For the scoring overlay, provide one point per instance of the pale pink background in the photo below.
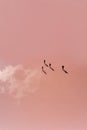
(31, 30)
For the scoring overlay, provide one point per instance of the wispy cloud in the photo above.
(19, 81)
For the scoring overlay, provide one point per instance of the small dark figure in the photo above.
(62, 66)
(45, 63)
(43, 70)
(64, 69)
(51, 67)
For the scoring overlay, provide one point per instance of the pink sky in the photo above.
(31, 30)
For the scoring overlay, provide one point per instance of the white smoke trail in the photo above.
(19, 81)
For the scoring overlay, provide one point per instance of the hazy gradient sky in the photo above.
(31, 30)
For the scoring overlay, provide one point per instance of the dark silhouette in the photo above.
(64, 69)
(43, 70)
(45, 63)
(51, 67)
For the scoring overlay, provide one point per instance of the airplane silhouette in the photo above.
(43, 70)
(64, 69)
(51, 67)
(45, 63)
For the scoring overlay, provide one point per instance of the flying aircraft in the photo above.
(51, 67)
(43, 70)
(45, 63)
(64, 69)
